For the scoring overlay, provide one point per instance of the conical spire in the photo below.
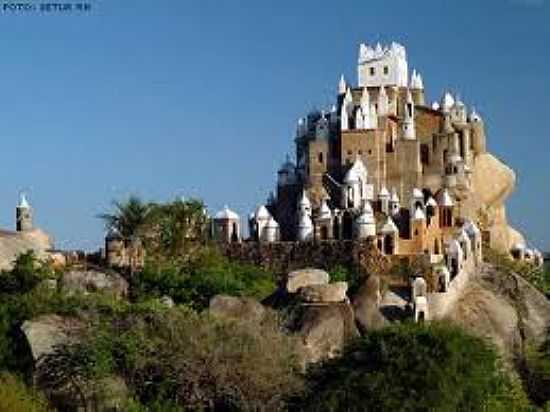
(23, 202)
(342, 86)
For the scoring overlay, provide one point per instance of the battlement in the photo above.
(382, 66)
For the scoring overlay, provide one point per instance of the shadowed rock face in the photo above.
(505, 308)
(92, 280)
(492, 184)
(231, 307)
(12, 244)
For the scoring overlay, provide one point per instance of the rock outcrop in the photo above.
(305, 277)
(492, 184)
(504, 308)
(366, 304)
(330, 293)
(236, 308)
(86, 281)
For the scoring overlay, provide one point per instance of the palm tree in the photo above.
(128, 218)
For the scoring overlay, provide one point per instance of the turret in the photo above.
(227, 226)
(271, 231)
(384, 199)
(418, 227)
(344, 117)
(23, 215)
(383, 102)
(447, 102)
(478, 133)
(342, 86)
(287, 173)
(305, 228)
(115, 250)
(446, 205)
(417, 89)
(322, 130)
(408, 126)
(359, 119)
(365, 225)
(394, 202)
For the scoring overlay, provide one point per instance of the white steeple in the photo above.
(365, 224)
(365, 100)
(383, 102)
(305, 228)
(23, 203)
(348, 98)
(408, 126)
(474, 116)
(344, 118)
(359, 119)
(342, 86)
(373, 118)
(416, 81)
(447, 102)
(304, 204)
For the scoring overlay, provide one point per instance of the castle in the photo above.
(383, 164)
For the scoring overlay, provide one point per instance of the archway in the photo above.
(389, 245)
(348, 226)
(324, 232)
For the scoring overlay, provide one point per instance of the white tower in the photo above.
(382, 66)
(408, 126)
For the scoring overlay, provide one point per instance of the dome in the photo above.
(417, 193)
(23, 203)
(447, 102)
(304, 201)
(394, 197)
(389, 227)
(431, 202)
(262, 213)
(384, 192)
(419, 214)
(444, 198)
(356, 172)
(367, 215)
(272, 223)
(474, 116)
(226, 213)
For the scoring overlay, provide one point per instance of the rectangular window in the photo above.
(386, 70)
(372, 71)
(321, 157)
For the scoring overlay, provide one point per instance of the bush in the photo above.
(196, 283)
(180, 358)
(409, 367)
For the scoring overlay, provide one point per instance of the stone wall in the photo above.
(283, 257)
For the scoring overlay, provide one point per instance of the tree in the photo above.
(413, 367)
(128, 218)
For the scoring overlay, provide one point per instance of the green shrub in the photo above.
(408, 368)
(196, 283)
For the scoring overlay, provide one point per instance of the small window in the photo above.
(372, 71)
(386, 70)
(350, 152)
(370, 152)
(360, 152)
(320, 157)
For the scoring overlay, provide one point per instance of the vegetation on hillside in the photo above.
(537, 276)
(413, 367)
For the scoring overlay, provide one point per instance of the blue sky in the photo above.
(200, 98)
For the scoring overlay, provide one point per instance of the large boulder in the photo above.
(236, 308)
(305, 277)
(47, 332)
(366, 305)
(331, 293)
(324, 330)
(86, 281)
(504, 308)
